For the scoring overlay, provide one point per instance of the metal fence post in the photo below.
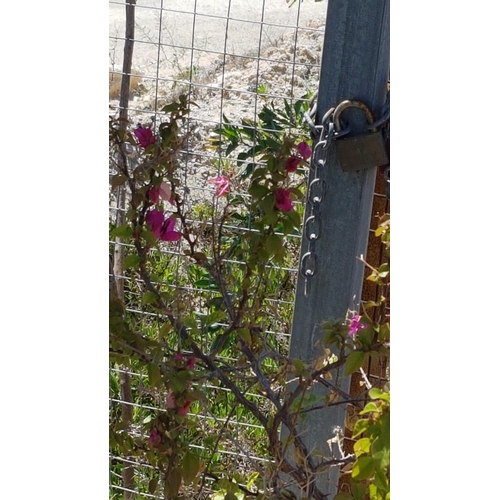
(355, 64)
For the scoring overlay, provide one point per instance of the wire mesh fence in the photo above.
(231, 59)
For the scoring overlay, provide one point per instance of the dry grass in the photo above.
(115, 82)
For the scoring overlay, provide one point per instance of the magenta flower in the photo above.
(161, 228)
(154, 195)
(355, 325)
(179, 357)
(304, 150)
(167, 232)
(183, 410)
(222, 184)
(144, 136)
(282, 200)
(154, 437)
(155, 220)
(162, 192)
(191, 362)
(292, 164)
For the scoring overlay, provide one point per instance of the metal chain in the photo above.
(324, 134)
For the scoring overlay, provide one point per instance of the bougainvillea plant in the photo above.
(209, 280)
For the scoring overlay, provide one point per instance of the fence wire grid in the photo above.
(230, 57)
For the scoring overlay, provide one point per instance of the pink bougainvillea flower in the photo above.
(155, 220)
(170, 401)
(183, 410)
(144, 136)
(167, 232)
(282, 200)
(161, 228)
(162, 192)
(191, 362)
(355, 325)
(179, 357)
(304, 150)
(165, 192)
(154, 437)
(292, 163)
(222, 184)
(154, 195)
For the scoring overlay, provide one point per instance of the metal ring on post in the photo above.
(308, 257)
(316, 198)
(312, 236)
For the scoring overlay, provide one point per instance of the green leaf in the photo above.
(384, 332)
(299, 366)
(382, 455)
(244, 334)
(362, 446)
(122, 232)
(380, 481)
(271, 218)
(118, 180)
(149, 298)
(360, 426)
(358, 490)
(384, 269)
(288, 226)
(257, 191)
(148, 237)
(206, 284)
(294, 218)
(384, 428)
(170, 107)
(131, 261)
(180, 381)
(220, 343)
(274, 244)
(165, 330)
(214, 317)
(354, 361)
(173, 483)
(230, 496)
(363, 468)
(376, 393)
(153, 483)
(190, 467)
(154, 374)
(369, 408)
(253, 477)
(365, 336)
(114, 385)
(268, 203)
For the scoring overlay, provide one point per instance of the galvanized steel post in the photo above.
(355, 65)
